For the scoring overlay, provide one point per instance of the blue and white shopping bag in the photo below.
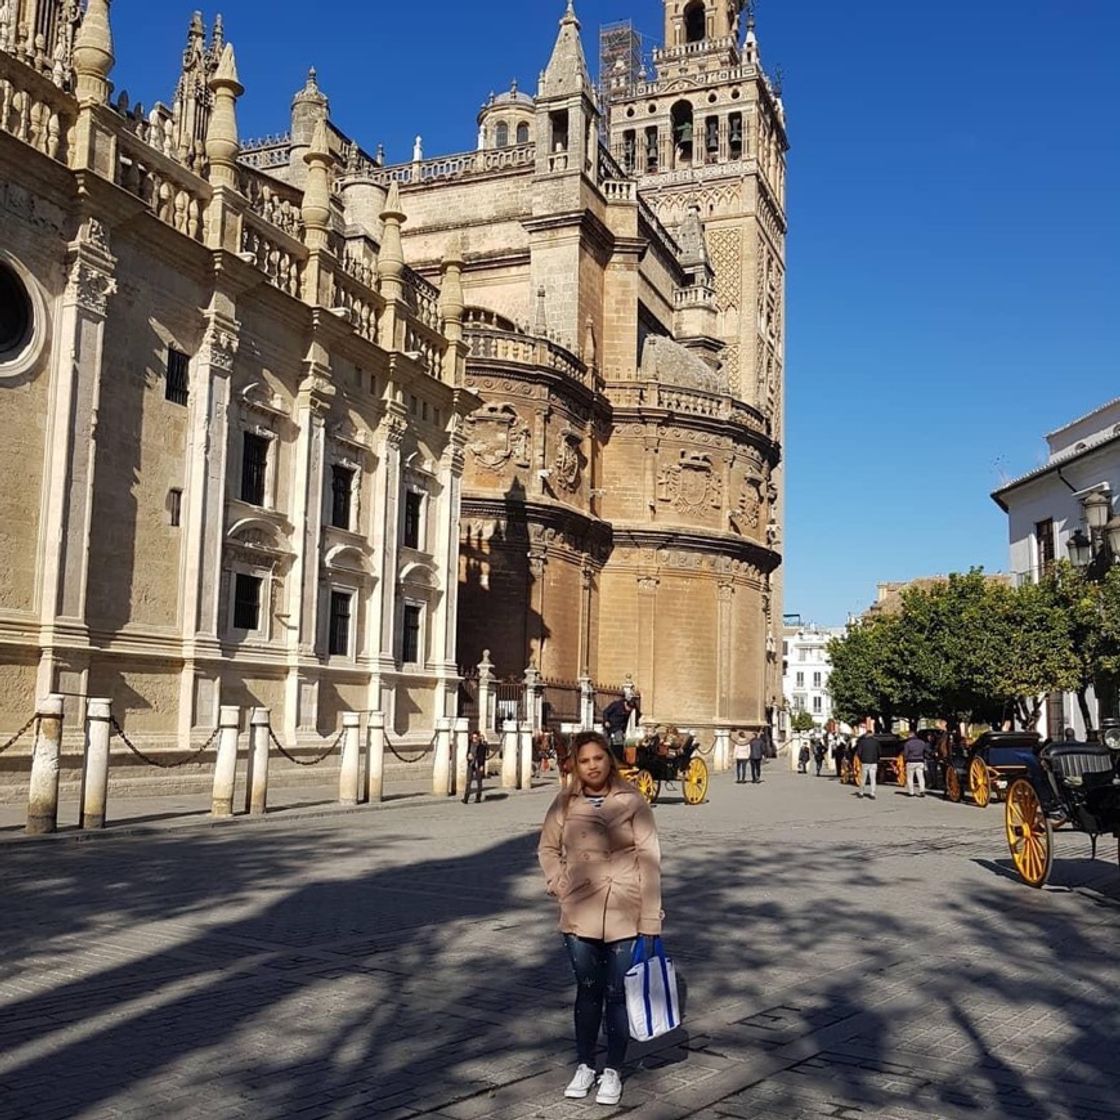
(651, 993)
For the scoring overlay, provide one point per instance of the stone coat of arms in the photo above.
(496, 434)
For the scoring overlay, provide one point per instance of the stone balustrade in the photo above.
(625, 191)
(508, 347)
(277, 255)
(685, 402)
(458, 166)
(34, 110)
(276, 203)
(176, 196)
(361, 307)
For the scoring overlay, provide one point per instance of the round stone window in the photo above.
(16, 316)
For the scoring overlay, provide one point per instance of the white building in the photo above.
(1057, 507)
(805, 672)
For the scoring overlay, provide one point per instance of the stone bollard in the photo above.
(42, 802)
(441, 765)
(510, 747)
(462, 745)
(525, 771)
(349, 776)
(256, 792)
(225, 769)
(722, 760)
(375, 758)
(95, 771)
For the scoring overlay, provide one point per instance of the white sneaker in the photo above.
(581, 1084)
(610, 1088)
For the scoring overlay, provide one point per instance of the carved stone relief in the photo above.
(496, 435)
(690, 485)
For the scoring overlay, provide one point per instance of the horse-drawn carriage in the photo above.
(666, 757)
(892, 766)
(987, 769)
(1075, 786)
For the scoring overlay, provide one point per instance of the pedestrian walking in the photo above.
(758, 752)
(742, 757)
(602, 862)
(820, 752)
(867, 748)
(840, 757)
(803, 757)
(477, 751)
(914, 755)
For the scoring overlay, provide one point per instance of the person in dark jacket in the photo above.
(758, 752)
(840, 757)
(616, 721)
(803, 759)
(914, 755)
(820, 751)
(868, 751)
(477, 750)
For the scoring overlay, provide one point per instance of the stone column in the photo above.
(725, 642)
(525, 769)
(375, 758)
(71, 445)
(350, 771)
(487, 697)
(383, 602)
(586, 703)
(534, 698)
(446, 614)
(721, 756)
(95, 772)
(42, 803)
(462, 744)
(441, 767)
(510, 747)
(225, 769)
(256, 791)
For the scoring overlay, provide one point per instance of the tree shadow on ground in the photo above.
(264, 971)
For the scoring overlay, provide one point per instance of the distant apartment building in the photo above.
(805, 672)
(1064, 509)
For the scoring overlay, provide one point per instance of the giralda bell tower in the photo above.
(706, 132)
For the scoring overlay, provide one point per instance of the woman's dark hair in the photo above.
(578, 743)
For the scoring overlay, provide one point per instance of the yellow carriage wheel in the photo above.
(1029, 834)
(979, 783)
(953, 790)
(900, 771)
(696, 781)
(647, 787)
(856, 772)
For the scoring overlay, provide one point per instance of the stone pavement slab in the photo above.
(840, 959)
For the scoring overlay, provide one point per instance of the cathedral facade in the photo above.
(525, 399)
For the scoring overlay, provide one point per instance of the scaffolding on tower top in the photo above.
(620, 60)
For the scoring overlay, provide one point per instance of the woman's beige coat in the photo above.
(604, 865)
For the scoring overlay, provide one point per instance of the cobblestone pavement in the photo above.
(842, 959)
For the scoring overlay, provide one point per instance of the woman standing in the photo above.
(602, 861)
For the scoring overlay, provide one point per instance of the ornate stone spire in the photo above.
(222, 144)
(317, 193)
(93, 53)
(390, 261)
(452, 303)
(566, 73)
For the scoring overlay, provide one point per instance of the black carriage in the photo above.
(986, 770)
(892, 767)
(667, 758)
(1076, 786)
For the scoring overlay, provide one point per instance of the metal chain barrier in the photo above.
(410, 761)
(303, 761)
(118, 731)
(32, 722)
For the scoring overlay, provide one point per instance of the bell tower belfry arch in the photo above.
(694, 21)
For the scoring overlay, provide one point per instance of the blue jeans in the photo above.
(600, 968)
(741, 769)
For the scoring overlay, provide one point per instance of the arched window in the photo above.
(681, 116)
(523, 133)
(696, 22)
(501, 135)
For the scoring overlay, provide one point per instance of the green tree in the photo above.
(802, 721)
(863, 681)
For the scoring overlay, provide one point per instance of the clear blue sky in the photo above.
(954, 257)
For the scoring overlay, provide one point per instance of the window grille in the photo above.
(177, 388)
(339, 637)
(247, 603)
(413, 516)
(342, 497)
(410, 634)
(254, 469)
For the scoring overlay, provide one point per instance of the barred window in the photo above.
(177, 387)
(413, 518)
(410, 634)
(254, 469)
(339, 635)
(342, 497)
(247, 602)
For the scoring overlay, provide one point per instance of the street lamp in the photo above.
(1098, 509)
(1080, 550)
